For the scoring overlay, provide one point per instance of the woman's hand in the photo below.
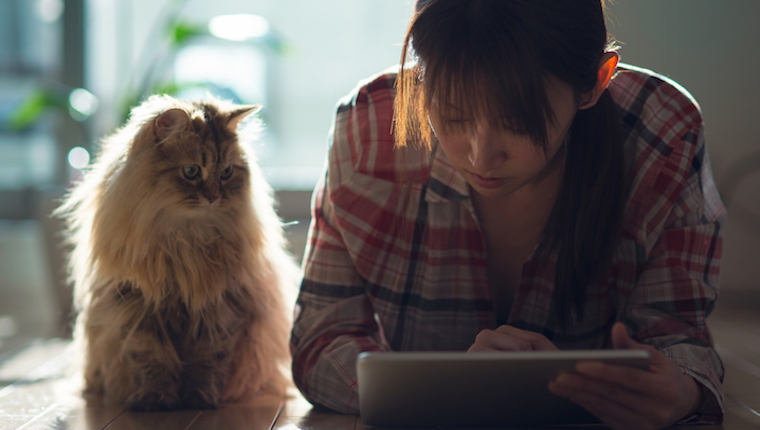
(508, 338)
(623, 397)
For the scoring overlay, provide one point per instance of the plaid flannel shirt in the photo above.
(396, 261)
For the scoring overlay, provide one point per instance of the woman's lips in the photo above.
(488, 183)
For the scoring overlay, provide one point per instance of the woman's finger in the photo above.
(623, 396)
(611, 413)
(538, 342)
(491, 340)
(620, 337)
(508, 338)
(641, 381)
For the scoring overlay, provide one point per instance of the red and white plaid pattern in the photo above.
(396, 260)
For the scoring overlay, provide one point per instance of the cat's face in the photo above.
(195, 162)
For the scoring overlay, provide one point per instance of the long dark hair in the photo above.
(492, 58)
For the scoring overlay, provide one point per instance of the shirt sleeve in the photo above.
(678, 285)
(334, 319)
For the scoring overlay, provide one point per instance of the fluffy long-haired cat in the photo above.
(178, 264)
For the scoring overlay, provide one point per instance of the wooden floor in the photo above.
(36, 395)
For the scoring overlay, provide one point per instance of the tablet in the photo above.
(431, 389)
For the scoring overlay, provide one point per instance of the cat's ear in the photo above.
(168, 122)
(239, 115)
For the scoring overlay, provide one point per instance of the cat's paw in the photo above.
(154, 402)
(195, 399)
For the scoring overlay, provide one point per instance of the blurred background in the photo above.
(71, 69)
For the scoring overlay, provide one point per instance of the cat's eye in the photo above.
(226, 173)
(191, 171)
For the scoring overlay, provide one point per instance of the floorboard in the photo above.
(239, 417)
(37, 395)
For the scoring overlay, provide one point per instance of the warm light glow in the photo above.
(238, 27)
(83, 101)
(210, 63)
(50, 10)
(79, 157)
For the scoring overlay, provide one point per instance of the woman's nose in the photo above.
(487, 149)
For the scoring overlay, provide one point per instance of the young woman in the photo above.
(510, 187)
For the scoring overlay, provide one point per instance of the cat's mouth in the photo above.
(214, 202)
(203, 203)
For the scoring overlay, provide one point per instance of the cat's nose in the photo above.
(212, 198)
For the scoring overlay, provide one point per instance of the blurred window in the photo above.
(294, 57)
(29, 31)
(70, 70)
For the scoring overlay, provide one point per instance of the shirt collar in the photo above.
(446, 184)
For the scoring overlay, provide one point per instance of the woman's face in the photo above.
(497, 162)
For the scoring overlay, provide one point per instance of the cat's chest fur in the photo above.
(172, 322)
(192, 266)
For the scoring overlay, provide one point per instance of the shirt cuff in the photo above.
(710, 410)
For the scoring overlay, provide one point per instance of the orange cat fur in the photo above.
(178, 265)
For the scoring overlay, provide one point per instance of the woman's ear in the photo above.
(607, 65)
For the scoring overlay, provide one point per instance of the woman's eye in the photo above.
(226, 173)
(191, 171)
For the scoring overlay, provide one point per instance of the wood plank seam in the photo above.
(743, 405)
(41, 414)
(114, 419)
(277, 415)
(190, 424)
